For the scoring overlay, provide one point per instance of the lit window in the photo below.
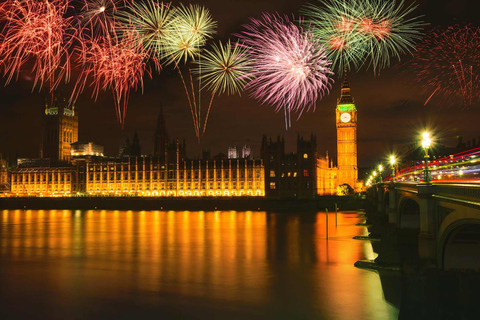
(289, 174)
(272, 173)
(305, 173)
(272, 185)
(294, 174)
(305, 156)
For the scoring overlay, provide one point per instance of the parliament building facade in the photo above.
(63, 171)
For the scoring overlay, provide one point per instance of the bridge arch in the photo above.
(459, 241)
(409, 212)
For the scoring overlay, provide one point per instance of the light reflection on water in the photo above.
(192, 264)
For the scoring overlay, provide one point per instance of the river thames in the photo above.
(182, 264)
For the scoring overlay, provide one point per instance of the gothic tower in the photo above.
(346, 120)
(60, 129)
(160, 139)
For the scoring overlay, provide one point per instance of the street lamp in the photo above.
(426, 142)
(380, 169)
(393, 161)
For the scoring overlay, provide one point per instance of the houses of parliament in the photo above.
(67, 167)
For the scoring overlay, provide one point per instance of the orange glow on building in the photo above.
(145, 177)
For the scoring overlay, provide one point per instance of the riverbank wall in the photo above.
(191, 204)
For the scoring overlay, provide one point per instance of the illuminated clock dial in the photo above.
(345, 117)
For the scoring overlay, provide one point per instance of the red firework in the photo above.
(36, 32)
(116, 62)
(447, 63)
(98, 16)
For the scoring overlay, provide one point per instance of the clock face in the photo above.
(345, 117)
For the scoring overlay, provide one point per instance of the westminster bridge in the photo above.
(444, 216)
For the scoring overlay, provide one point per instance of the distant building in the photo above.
(327, 181)
(4, 180)
(81, 149)
(232, 153)
(151, 176)
(124, 150)
(246, 152)
(168, 173)
(43, 177)
(131, 150)
(290, 174)
(44, 181)
(32, 163)
(143, 176)
(59, 129)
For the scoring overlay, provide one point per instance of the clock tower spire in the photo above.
(346, 119)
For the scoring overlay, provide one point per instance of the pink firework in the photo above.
(36, 33)
(291, 70)
(447, 64)
(114, 62)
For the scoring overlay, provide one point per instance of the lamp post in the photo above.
(380, 169)
(393, 161)
(375, 176)
(426, 142)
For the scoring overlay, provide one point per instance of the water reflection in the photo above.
(193, 264)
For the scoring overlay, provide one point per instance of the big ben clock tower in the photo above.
(346, 120)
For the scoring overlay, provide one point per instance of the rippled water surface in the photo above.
(184, 264)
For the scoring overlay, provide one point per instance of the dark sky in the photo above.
(390, 107)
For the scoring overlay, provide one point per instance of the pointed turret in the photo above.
(160, 139)
(135, 149)
(345, 97)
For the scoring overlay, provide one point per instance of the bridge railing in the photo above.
(462, 192)
(406, 187)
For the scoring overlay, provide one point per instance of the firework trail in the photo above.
(116, 62)
(37, 32)
(186, 35)
(364, 32)
(447, 63)
(226, 68)
(290, 67)
(172, 36)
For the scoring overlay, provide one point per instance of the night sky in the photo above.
(390, 107)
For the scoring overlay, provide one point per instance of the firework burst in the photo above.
(291, 70)
(38, 33)
(98, 16)
(152, 20)
(447, 63)
(226, 68)
(334, 25)
(186, 35)
(114, 62)
(364, 32)
(191, 27)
